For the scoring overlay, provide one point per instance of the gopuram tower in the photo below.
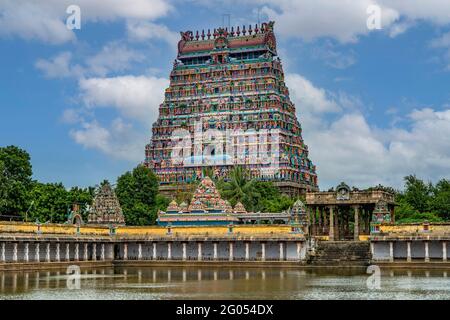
(228, 105)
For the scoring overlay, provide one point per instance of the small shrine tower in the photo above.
(106, 207)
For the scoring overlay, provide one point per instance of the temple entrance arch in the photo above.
(344, 213)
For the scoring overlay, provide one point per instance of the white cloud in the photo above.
(343, 20)
(136, 97)
(44, 20)
(442, 42)
(145, 30)
(328, 54)
(434, 11)
(348, 148)
(113, 57)
(59, 66)
(400, 27)
(119, 141)
(30, 20)
(309, 98)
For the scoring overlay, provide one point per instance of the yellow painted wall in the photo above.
(238, 230)
(413, 228)
(67, 229)
(363, 238)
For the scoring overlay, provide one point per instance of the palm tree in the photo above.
(208, 172)
(239, 188)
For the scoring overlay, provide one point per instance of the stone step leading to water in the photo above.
(340, 253)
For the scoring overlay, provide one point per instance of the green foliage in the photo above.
(52, 202)
(15, 180)
(256, 196)
(417, 193)
(161, 204)
(137, 193)
(440, 202)
(240, 188)
(421, 201)
(420, 217)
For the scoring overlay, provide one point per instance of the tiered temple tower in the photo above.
(230, 80)
(106, 207)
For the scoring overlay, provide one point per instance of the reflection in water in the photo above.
(224, 283)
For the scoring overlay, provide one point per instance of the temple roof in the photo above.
(106, 207)
(222, 38)
(239, 208)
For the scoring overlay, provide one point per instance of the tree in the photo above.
(83, 197)
(240, 189)
(417, 193)
(50, 203)
(137, 193)
(440, 202)
(15, 180)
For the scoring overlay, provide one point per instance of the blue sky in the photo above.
(374, 104)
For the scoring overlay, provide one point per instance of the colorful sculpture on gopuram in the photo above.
(106, 208)
(206, 208)
(229, 84)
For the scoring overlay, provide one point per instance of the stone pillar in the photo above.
(215, 250)
(331, 227)
(102, 252)
(391, 251)
(57, 254)
(37, 257)
(313, 221)
(356, 228)
(184, 251)
(281, 251)
(154, 251)
(231, 251)
(15, 244)
(320, 221)
(368, 219)
(444, 251)
(263, 251)
(85, 253)
(26, 254)
(247, 251)
(299, 251)
(408, 251)
(169, 250)
(372, 249)
(199, 251)
(3, 256)
(77, 251)
(67, 251)
(47, 252)
(125, 251)
(140, 251)
(427, 254)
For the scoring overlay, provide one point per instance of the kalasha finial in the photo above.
(203, 34)
(215, 33)
(209, 34)
(256, 28)
(243, 31)
(249, 29)
(232, 32)
(197, 35)
(226, 33)
(238, 32)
